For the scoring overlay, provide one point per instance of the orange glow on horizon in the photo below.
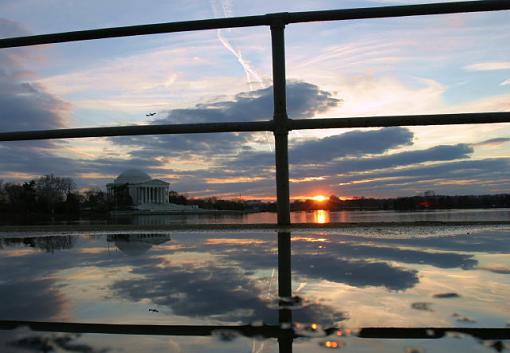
(319, 198)
(236, 196)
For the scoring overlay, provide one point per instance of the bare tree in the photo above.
(52, 189)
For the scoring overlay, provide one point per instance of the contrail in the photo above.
(251, 74)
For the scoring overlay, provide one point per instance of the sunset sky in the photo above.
(416, 65)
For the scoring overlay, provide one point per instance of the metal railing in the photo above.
(280, 125)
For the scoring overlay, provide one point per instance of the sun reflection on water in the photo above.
(321, 216)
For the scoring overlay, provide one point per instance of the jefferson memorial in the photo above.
(146, 193)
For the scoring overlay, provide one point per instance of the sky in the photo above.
(417, 65)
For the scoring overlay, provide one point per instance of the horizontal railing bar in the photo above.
(400, 120)
(249, 21)
(398, 11)
(267, 331)
(138, 130)
(298, 124)
(137, 30)
(484, 333)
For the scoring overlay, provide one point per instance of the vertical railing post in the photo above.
(281, 135)
(280, 122)
(284, 265)
(285, 292)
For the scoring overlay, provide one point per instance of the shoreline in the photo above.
(231, 226)
(196, 211)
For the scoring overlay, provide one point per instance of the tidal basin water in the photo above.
(317, 216)
(322, 216)
(397, 276)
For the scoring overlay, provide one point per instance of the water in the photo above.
(318, 216)
(321, 216)
(342, 279)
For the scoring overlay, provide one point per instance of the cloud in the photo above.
(27, 106)
(457, 177)
(229, 163)
(24, 105)
(489, 66)
(475, 176)
(323, 161)
(319, 151)
(304, 101)
(505, 83)
(400, 159)
(434, 154)
(493, 142)
(463, 169)
(351, 144)
(500, 103)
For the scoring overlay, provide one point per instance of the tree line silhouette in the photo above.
(419, 202)
(52, 195)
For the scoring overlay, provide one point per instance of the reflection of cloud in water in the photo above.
(484, 241)
(29, 299)
(504, 270)
(137, 244)
(413, 256)
(357, 273)
(363, 261)
(27, 341)
(221, 292)
(227, 284)
(27, 290)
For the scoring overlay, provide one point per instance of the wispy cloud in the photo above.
(158, 78)
(489, 66)
(493, 142)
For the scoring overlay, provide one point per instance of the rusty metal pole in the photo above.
(280, 122)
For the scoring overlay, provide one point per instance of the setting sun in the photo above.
(319, 198)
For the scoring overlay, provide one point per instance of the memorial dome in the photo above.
(132, 176)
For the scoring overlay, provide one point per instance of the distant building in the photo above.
(147, 194)
(141, 187)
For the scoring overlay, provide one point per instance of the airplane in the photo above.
(150, 114)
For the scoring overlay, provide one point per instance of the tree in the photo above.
(175, 197)
(21, 198)
(52, 190)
